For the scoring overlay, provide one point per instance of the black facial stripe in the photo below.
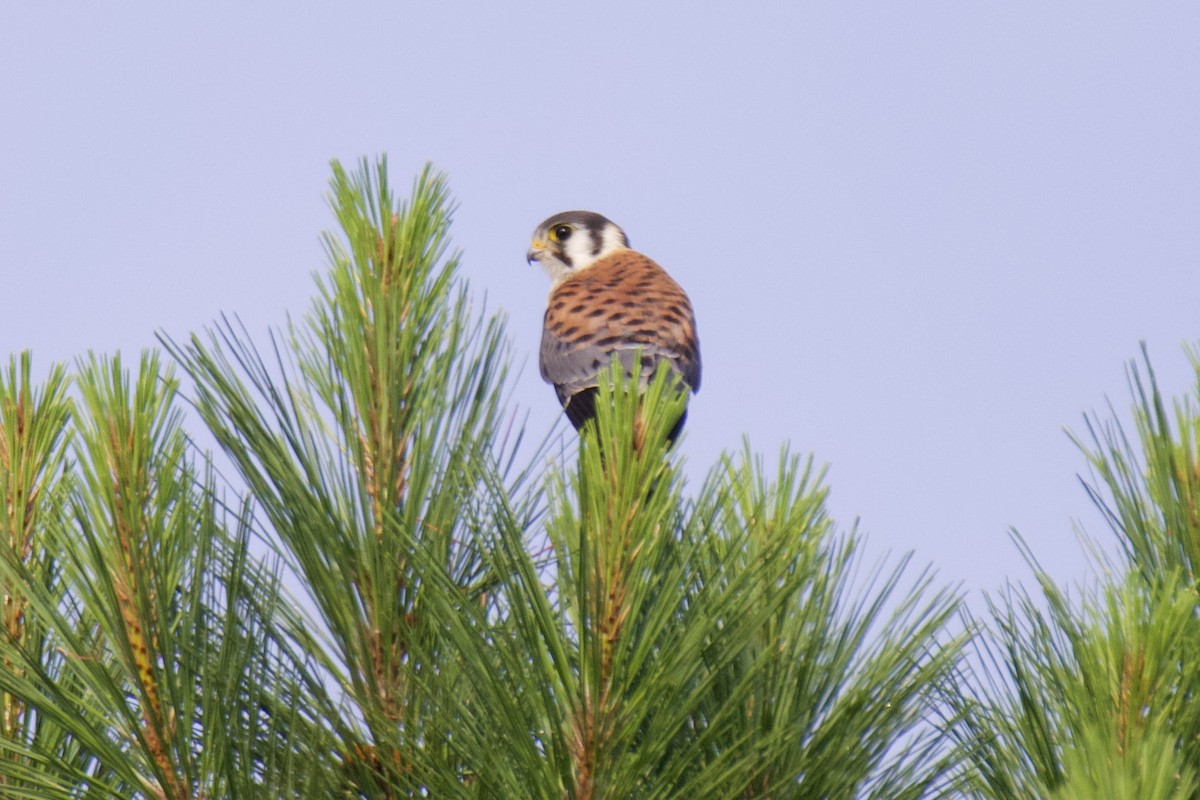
(595, 224)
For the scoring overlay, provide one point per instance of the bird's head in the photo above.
(572, 241)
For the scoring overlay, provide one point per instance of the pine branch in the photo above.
(1098, 700)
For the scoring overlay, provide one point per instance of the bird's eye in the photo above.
(561, 233)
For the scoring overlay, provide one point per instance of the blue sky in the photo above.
(921, 238)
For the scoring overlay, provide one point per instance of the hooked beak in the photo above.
(535, 251)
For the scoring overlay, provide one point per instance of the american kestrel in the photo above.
(608, 299)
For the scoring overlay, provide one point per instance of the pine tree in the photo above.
(473, 616)
(1096, 697)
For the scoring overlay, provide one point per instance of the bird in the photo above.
(607, 299)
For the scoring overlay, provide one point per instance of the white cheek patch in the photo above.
(612, 238)
(579, 246)
(579, 250)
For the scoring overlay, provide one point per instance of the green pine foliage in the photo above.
(140, 656)
(1096, 698)
(391, 593)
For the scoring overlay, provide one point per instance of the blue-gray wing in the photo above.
(573, 366)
